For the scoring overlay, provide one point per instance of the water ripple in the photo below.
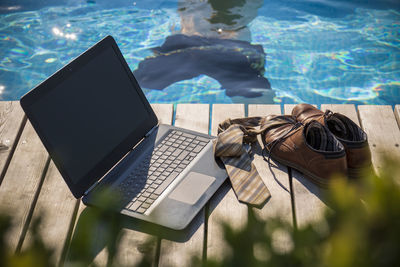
(351, 59)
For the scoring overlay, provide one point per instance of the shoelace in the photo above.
(328, 113)
(275, 142)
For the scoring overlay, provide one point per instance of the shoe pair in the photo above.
(319, 144)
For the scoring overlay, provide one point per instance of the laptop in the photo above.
(101, 131)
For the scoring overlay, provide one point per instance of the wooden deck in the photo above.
(31, 185)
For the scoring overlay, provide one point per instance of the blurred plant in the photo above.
(360, 228)
(99, 228)
(36, 255)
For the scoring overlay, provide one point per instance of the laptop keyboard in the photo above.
(159, 169)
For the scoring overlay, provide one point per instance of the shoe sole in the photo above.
(319, 181)
(357, 173)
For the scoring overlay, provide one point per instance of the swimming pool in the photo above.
(193, 51)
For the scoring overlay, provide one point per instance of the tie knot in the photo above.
(230, 142)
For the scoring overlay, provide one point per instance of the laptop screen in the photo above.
(91, 117)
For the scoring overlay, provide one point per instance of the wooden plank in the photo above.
(224, 206)
(56, 207)
(309, 205)
(164, 112)
(97, 252)
(129, 253)
(194, 117)
(11, 120)
(275, 176)
(22, 182)
(383, 132)
(307, 201)
(133, 244)
(348, 110)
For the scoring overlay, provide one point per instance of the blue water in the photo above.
(314, 51)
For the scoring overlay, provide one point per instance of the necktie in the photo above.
(230, 148)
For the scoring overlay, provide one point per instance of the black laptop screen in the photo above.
(89, 114)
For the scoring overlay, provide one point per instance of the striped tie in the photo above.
(229, 147)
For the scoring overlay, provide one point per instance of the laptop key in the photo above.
(149, 201)
(150, 190)
(135, 205)
(175, 145)
(179, 169)
(141, 199)
(154, 186)
(202, 139)
(140, 210)
(145, 205)
(186, 143)
(198, 148)
(177, 152)
(191, 136)
(153, 197)
(166, 182)
(169, 159)
(183, 155)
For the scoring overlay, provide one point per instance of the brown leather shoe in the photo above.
(353, 138)
(311, 148)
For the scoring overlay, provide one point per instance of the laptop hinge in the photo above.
(90, 188)
(151, 131)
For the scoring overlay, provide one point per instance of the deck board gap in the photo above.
(396, 111)
(173, 114)
(359, 118)
(292, 198)
(210, 108)
(7, 164)
(157, 252)
(69, 234)
(206, 212)
(32, 206)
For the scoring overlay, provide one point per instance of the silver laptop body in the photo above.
(100, 130)
(184, 197)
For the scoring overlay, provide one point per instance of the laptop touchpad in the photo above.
(192, 188)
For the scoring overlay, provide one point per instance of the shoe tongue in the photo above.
(345, 129)
(316, 136)
(337, 126)
(319, 138)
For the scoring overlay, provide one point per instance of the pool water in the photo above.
(234, 51)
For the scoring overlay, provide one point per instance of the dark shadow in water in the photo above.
(237, 65)
(214, 40)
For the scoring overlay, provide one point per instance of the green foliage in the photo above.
(99, 228)
(36, 255)
(361, 227)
